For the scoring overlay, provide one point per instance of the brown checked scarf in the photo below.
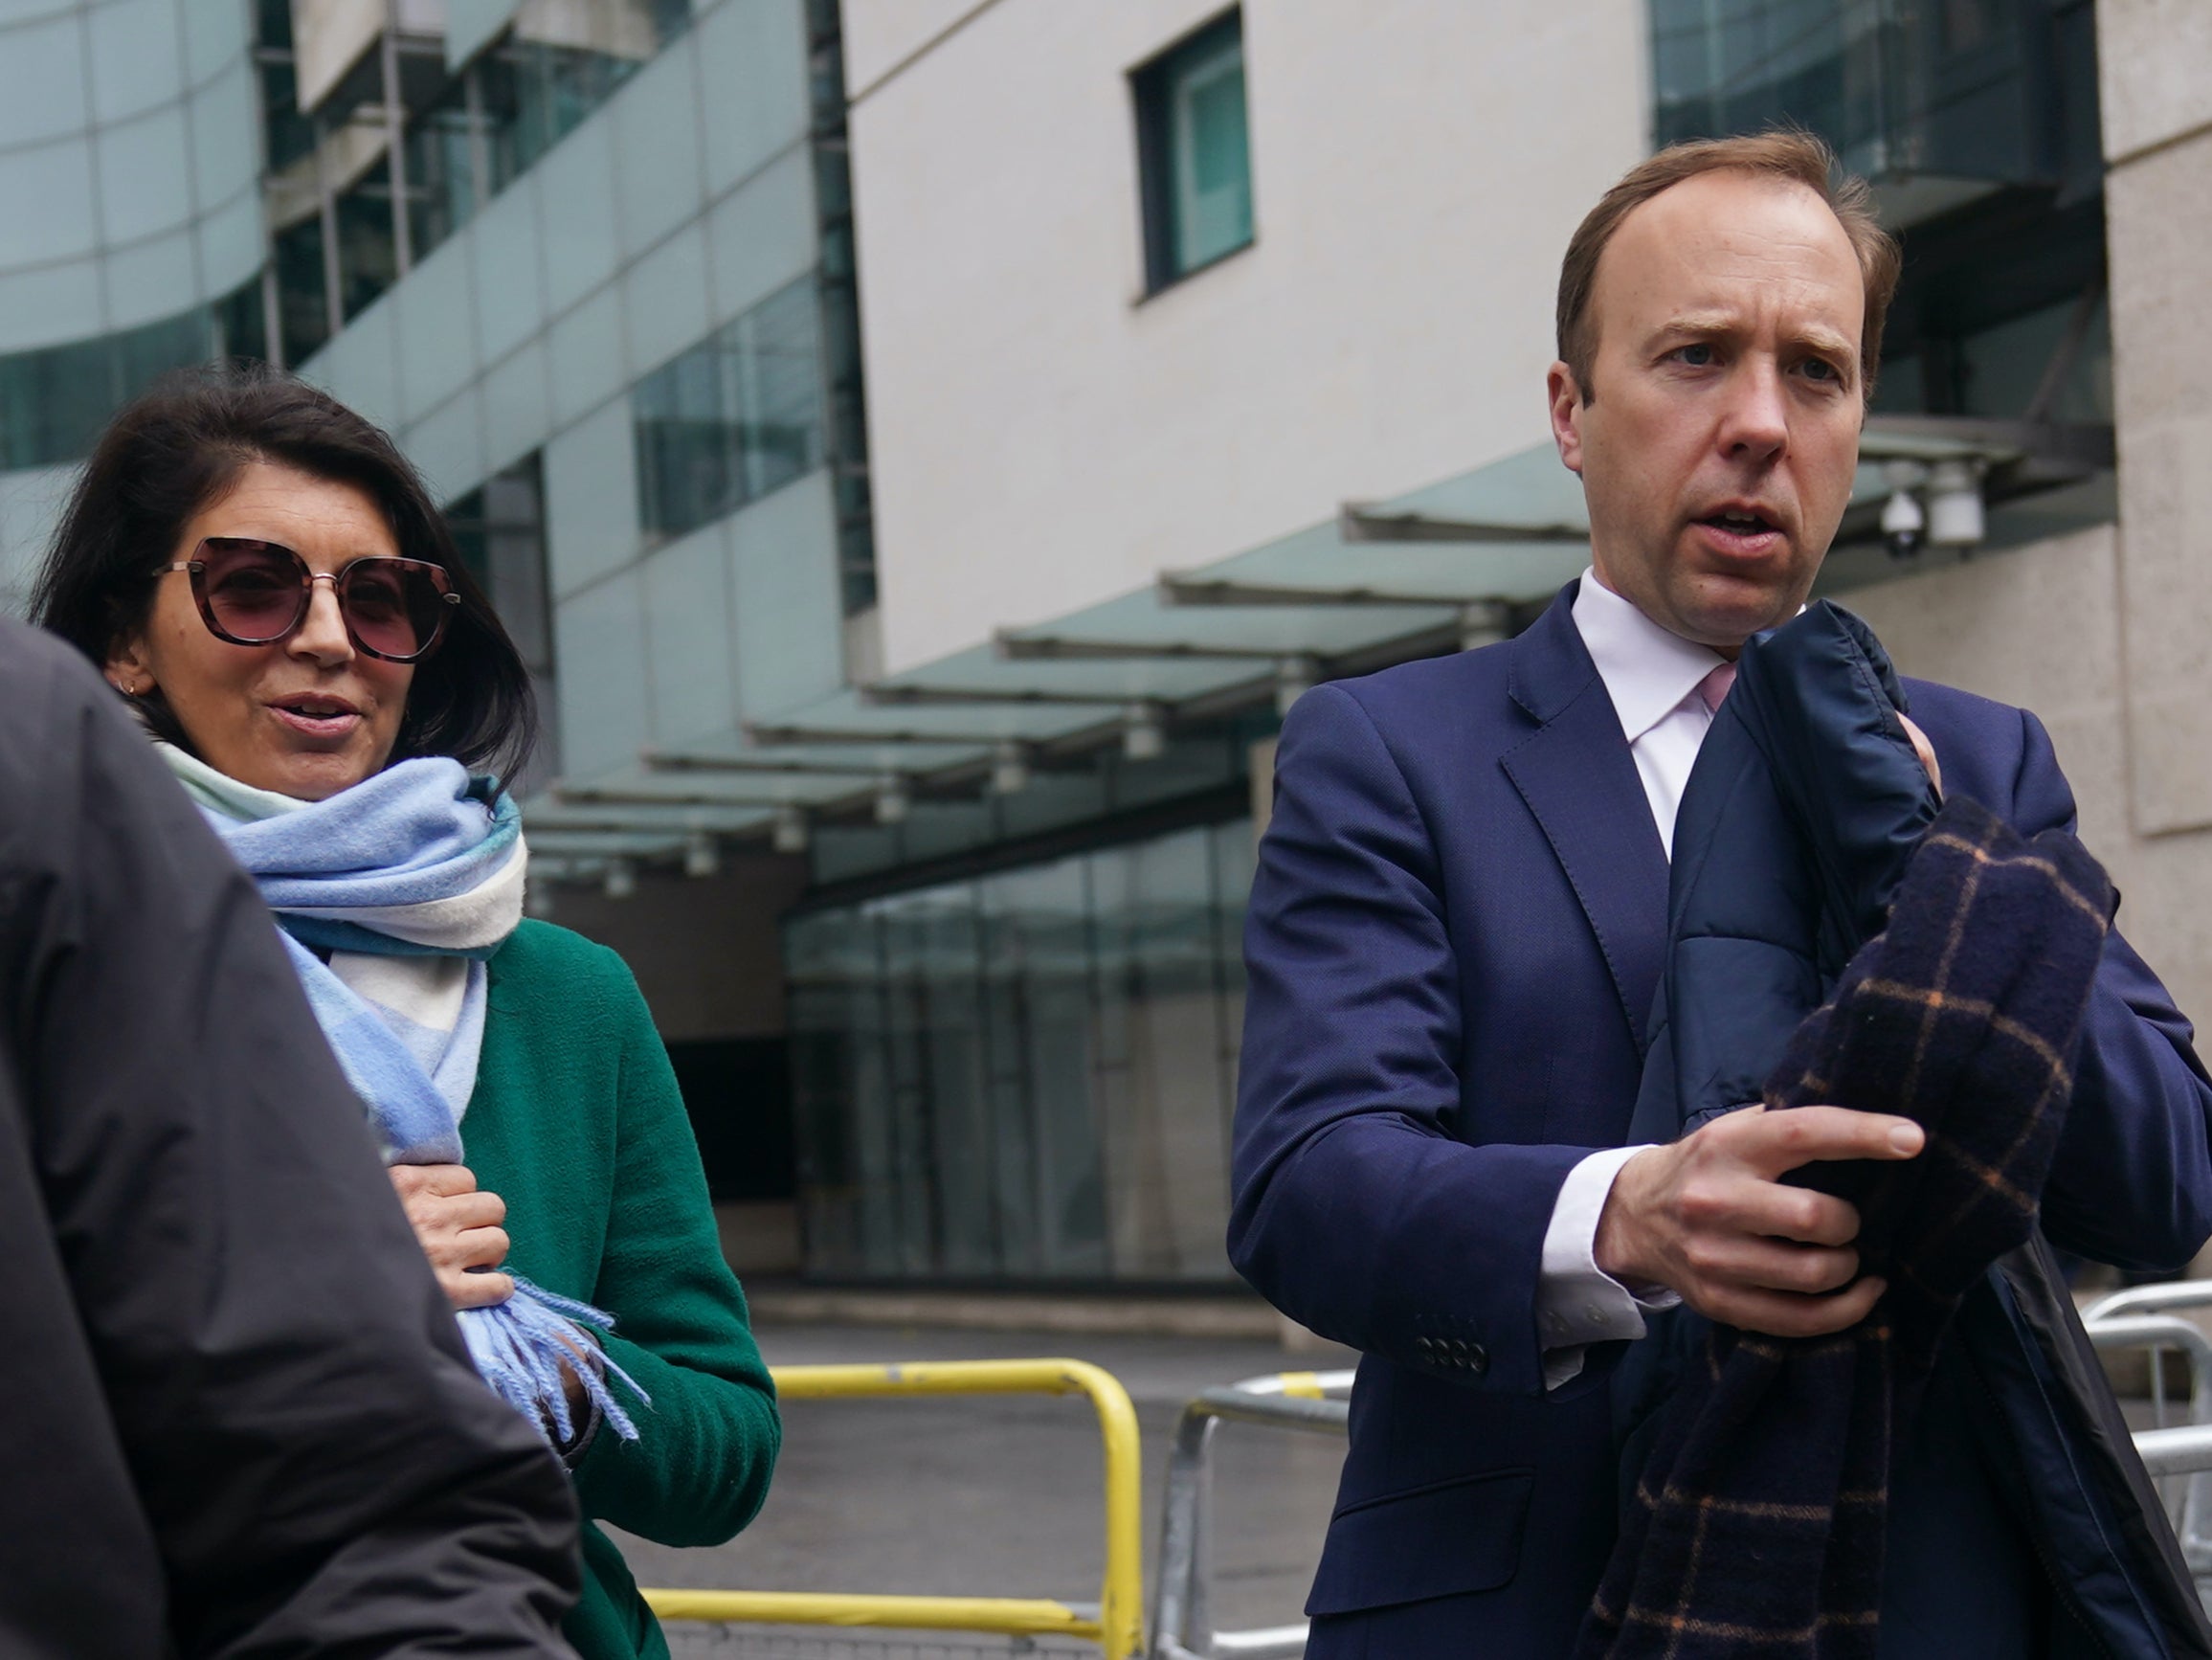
(1755, 1532)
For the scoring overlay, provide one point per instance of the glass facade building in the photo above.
(590, 262)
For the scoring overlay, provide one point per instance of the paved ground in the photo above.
(1002, 1497)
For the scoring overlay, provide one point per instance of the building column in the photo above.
(2157, 138)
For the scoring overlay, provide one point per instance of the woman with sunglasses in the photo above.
(261, 573)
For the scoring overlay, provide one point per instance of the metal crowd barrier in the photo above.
(2179, 1456)
(1181, 1624)
(1115, 1623)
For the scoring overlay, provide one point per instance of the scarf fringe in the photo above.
(519, 1347)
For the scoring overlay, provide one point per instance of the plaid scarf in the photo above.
(1756, 1527)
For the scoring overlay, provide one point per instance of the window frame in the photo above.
(1153, 110)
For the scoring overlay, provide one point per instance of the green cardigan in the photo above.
(577, 1123)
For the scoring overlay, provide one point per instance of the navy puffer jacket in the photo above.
(1806, 801)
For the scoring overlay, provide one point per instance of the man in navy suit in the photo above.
(1457, 927)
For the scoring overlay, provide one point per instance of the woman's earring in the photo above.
(128, 691)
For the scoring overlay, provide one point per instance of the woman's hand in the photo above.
(459, 1229)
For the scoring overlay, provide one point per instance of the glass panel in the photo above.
(584, 350)
(243, 323)
(214, 36)
(53, 401)
(367, 255)
(1026, 1076)
(600, 637)
(225, 157)
(687, 624)
(762, 235)
(755, 58)
(288, 134)
(143, 355)
(149, 281)
(784, 614)
(231, 249)
(561, 62)
(733, 419)
(1163, 1099)
(590, 502)
(2001, 368)
(1961, 89)
(47, 304)
(576, 196)
(136, 60)
(143, 188)
(443, 145)
(58, 178)
(516, 413)
(303, 302)
(500, 532)
(447, 444)
(656, 154)
(1043, 1107)
(834, 994)
(434, 315)
(665, 297)
(1213, 174)
(41, 82)
(510, 307)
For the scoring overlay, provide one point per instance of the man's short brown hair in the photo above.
(1784, 153)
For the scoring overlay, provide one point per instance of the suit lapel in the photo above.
(1580, 782)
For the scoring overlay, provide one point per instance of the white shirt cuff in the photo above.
(1578, 1303)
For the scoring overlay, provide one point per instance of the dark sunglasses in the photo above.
(254, 593)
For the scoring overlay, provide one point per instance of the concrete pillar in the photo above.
(2156, 67)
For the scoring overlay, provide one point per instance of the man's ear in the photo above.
(1567, 406)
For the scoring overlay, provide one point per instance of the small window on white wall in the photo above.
(1194, 154)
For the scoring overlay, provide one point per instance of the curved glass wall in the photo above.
(55, 400)
(128, 163)
(1028, 1075)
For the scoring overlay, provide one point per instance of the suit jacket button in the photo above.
(1423, 1347)
(1478, 1359)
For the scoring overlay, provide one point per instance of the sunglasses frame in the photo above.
(196, 568)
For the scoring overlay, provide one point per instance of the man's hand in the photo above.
(459, 1229)
(1707, 1218)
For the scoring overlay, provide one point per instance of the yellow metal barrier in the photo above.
(1118, 1623)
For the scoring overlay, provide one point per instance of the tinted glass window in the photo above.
(736, 416)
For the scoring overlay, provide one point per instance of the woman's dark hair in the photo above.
(177, 449)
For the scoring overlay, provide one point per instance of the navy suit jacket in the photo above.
(1453, 941)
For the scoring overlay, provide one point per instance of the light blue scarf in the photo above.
(408, 881)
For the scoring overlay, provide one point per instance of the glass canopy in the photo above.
(1455, 562)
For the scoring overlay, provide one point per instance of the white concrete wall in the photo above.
(1041, 440)
(2042, 628)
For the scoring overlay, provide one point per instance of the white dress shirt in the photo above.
(1652, 677)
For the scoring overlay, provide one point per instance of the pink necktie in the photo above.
(1715, 687)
